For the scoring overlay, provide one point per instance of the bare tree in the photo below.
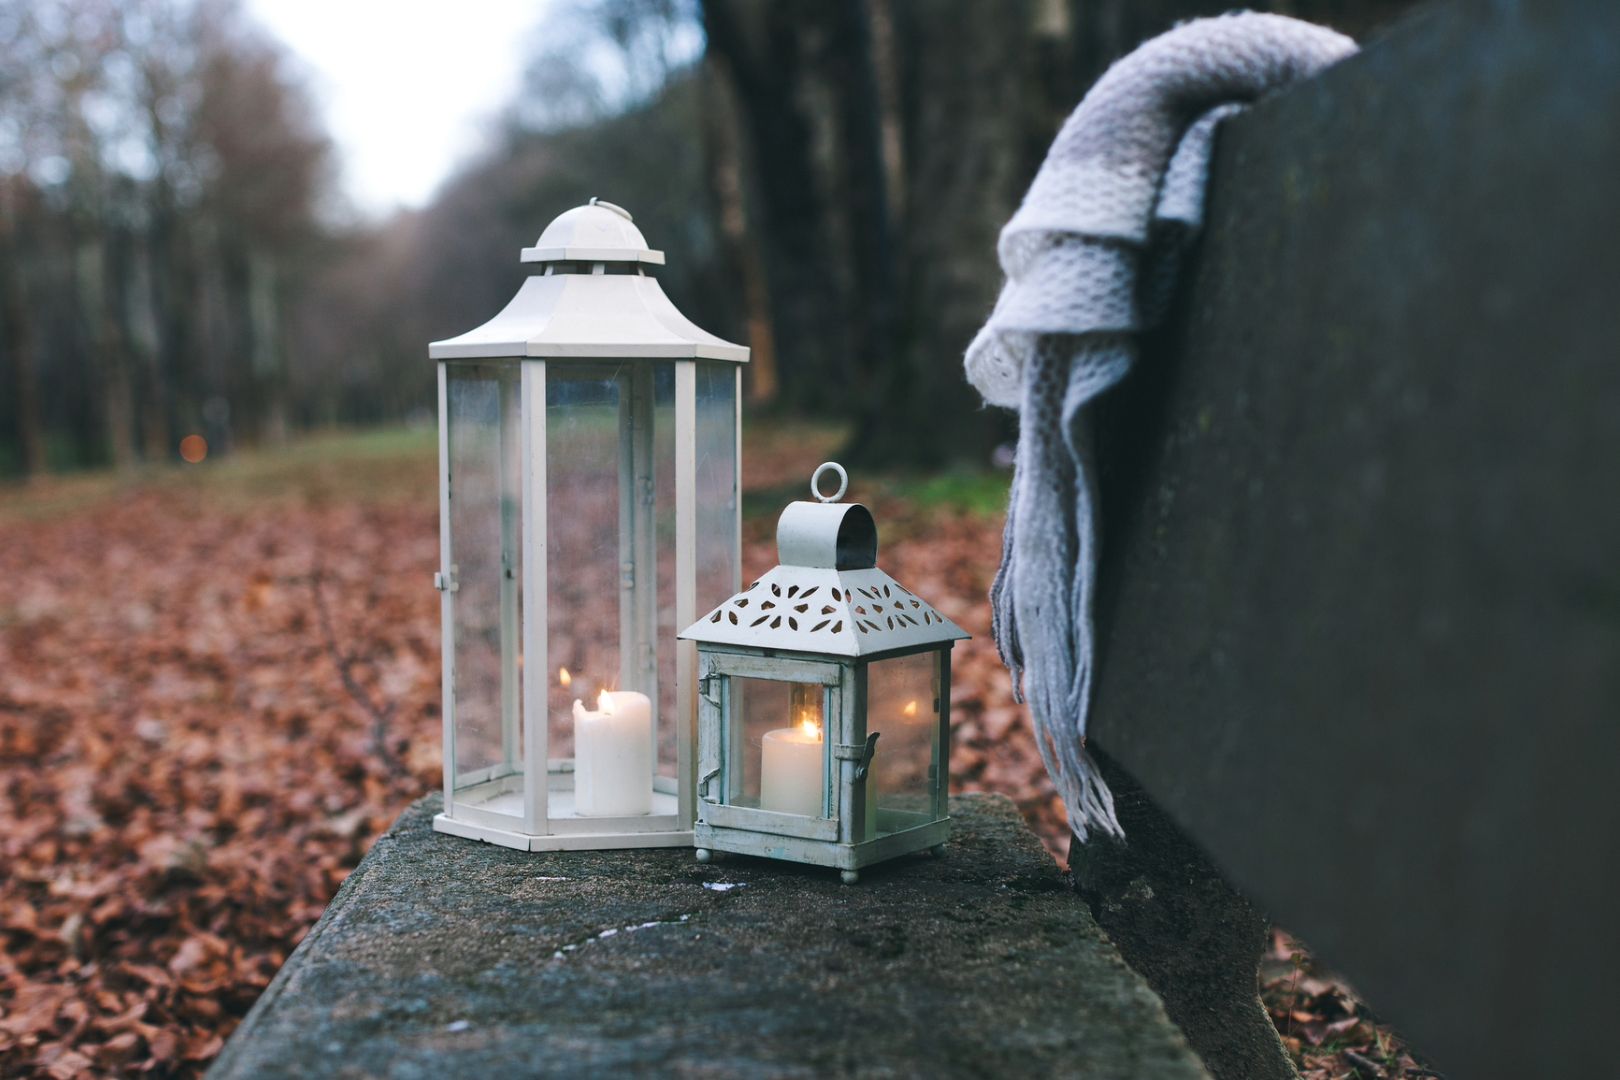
(161, 172)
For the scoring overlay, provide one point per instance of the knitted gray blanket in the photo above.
(1090, 259)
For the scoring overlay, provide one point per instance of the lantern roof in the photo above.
(596, 232)
(583, 303)
(828, 595)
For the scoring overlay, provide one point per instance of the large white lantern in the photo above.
(588, 458)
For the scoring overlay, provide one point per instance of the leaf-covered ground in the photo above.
(219, 685)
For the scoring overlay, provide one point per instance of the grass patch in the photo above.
(981, 492)
(400, 464)
(382, 464)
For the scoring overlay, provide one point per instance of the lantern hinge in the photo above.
(627, 575)
(445, 582)
(860, 753)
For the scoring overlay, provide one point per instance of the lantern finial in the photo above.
(615, 207)
(815, 482)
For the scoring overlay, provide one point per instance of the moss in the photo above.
(441, 956)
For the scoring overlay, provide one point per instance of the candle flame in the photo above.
(809, 725)
(563, 677)
(604, 703)
(910, 709)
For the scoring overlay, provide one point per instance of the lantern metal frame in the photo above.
(592, 307)
(825, 617)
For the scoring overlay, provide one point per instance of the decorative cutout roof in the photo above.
(823, 610)
(828, 596)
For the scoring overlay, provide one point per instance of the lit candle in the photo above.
(613, 755)
(790, 779)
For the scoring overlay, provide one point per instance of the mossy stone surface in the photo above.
(445, 957)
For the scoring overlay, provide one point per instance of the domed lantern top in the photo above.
(596, 232)
(590, 297)
(828, 595)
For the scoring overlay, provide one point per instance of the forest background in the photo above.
(176, 256)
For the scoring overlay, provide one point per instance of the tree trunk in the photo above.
(18, 341)
(873, 313)
(228, 390)
(759, 45)
(969, 104)
(175, 299)
(268, 359)
(141, 319)
(747, 266)
(95, 267)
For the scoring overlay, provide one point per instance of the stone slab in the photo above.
(1361, 595)
(442, 957)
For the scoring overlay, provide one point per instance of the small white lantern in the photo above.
(588, 457)
(824, 721)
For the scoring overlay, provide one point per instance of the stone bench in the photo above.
(1359, 618)
(441, 957)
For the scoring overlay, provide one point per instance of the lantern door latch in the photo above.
(859, 753)
(711, 769)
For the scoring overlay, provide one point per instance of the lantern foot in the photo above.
(850, 877)
(937, 851)
(704, 854)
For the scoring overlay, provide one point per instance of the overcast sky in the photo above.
(406, 85)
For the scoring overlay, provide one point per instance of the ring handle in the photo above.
(843, 482)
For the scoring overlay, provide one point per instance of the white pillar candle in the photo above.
(613, 755)
(790, 778)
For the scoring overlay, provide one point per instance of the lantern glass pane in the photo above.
(777, 756)
(902, 705)
(718, 558)
(610, 559)
(485, 561)
(661, 379)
